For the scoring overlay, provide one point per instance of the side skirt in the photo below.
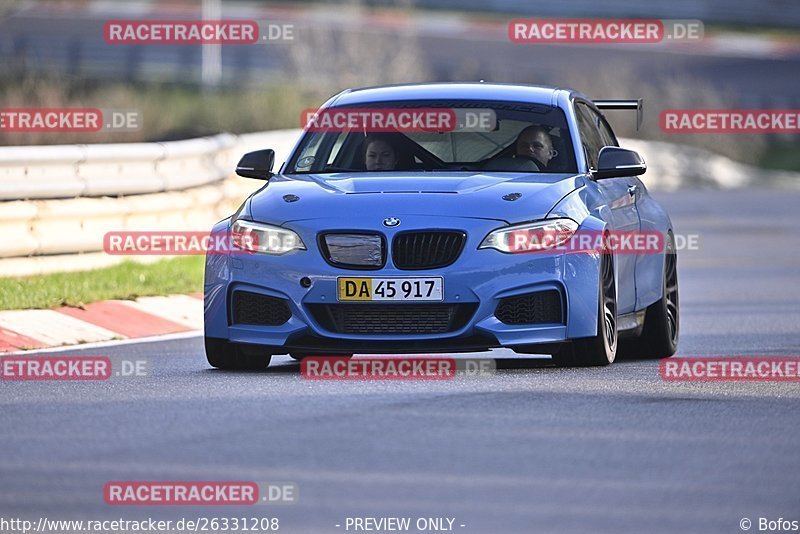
(630, 324)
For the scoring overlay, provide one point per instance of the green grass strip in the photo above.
(127, 280)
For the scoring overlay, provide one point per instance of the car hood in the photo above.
(509, 197)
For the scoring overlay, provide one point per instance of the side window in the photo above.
(590, 133)
(606, 134)
(320, 151)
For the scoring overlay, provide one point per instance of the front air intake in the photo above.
(541, 307)
(260, 310)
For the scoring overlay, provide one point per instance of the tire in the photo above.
(600, 349)
(223, 354)
(659, 337)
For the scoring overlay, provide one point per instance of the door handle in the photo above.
(632, 190)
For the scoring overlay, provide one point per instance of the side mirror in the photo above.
(614, 162)
(257, 164)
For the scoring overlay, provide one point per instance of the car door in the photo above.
(620, 196)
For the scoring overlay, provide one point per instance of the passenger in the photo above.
(380, 153)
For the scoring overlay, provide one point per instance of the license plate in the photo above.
(395, 289)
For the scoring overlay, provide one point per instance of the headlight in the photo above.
(265, 238)
(531, 237)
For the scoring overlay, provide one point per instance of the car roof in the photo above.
(536, 94)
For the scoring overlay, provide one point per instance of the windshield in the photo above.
(418, 136)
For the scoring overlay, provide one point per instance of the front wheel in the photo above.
(223, 354)
(600, 349)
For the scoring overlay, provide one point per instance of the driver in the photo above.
(533, 150)
(536, 144)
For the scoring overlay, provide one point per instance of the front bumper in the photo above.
(478, 277)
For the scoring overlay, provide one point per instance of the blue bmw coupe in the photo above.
(438, 218)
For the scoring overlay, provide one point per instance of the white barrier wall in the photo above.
(57, 202)
(68, 171)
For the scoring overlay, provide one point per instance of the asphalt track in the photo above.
(530, 449)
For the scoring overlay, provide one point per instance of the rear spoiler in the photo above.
(623, 104)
